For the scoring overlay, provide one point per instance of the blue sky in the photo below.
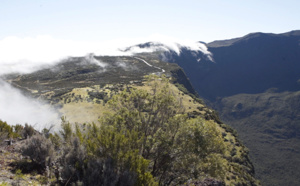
(106, 20)
(38, 32)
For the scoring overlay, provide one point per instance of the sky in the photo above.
(40, 32)
(96, 20)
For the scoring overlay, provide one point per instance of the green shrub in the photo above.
(39, 149)
(6, 130)
(28, 131)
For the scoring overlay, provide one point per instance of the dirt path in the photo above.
(144, 61)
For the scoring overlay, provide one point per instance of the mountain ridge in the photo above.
(81, 89)
(228, 42)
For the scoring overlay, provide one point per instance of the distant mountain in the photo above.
(255, 63)
(254, 83)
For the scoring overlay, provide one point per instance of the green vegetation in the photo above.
(146, 137)
(4, 184)
(268, 124)
(43, 153)
(8, 131)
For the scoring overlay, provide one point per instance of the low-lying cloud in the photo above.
(28, 54)
(15, 108)
(91, 59)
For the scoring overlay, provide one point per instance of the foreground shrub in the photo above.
(39, 149)
(104, 172)
(72, 161)
(28, 131)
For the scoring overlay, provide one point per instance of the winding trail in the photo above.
(162, 70)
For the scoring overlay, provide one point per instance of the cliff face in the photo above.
(256, 63)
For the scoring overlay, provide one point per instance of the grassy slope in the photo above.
(85, 105)
(79, 101)
(91, 109)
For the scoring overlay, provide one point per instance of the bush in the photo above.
(72, 161)
(39, 149)
(18, 130)
(28, 131)
(5, 130)
(77, 166)
(100, 172)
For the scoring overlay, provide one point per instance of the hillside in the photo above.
(257, 92)
(81, 80)
(268, 124)
(253, 82)
(256, 63)
(83, 90)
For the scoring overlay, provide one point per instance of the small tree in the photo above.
(6, 130)
(28, 131)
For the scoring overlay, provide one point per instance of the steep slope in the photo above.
(80, 88)
(256, 63)
(253, 74)
(246, 80)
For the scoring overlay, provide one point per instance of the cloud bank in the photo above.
(15, 108)
(28, 54)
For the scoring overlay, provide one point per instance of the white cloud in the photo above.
(28, 54)
(15, 108)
